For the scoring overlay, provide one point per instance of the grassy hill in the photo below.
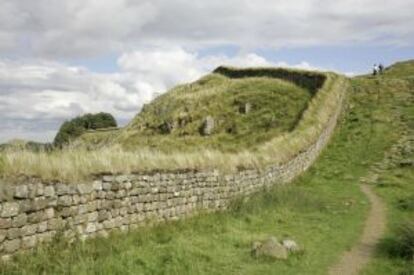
(260, 117)
(245, 111)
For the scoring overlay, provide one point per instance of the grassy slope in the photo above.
(276, 108)
(73, 165)
(395, 182)
(323, 210)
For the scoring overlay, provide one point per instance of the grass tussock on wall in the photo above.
(78, 164)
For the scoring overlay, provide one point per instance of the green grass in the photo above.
(323, 211)
(276, 107)
(395, 182)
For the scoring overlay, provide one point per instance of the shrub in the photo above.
(401, 243)
(77, 126)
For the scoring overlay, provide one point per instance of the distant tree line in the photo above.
(74, 128)
(68, 131)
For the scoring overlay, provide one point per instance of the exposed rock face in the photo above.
(208, 126)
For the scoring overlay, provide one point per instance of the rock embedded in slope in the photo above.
(270, 248)
(208, 126)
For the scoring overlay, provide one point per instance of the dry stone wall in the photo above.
(34, 212)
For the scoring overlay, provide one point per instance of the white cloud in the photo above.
(81, 28)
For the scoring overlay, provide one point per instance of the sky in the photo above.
(61, 59)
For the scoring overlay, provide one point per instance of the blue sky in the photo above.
(356, 59)
(60, 59)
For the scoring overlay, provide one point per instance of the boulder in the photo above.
(291, 246)
(270, 248)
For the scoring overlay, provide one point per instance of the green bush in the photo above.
(77, 126)
(401, 243)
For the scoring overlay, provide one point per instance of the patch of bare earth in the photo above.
(355, 259)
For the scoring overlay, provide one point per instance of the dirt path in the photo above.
(354, 260)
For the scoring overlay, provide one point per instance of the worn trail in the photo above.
(355, 259)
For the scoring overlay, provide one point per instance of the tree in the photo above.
(77, 126)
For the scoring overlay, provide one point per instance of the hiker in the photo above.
(381, 68)
(375, 70)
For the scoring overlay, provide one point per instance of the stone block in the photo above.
(9, 209)
(13, 233)
(29, 229)
(64, 200)
(5, 223)
(85, 188)
(21, 192)
(28, 242)
(11, 245)
(19, 220)
(49, 191)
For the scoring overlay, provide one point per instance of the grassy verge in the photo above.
(323, 211)
(394, 181)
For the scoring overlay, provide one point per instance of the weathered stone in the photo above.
(92, 216)
(49, 191)
(107, 178)
(62, 189)
(291, 245)
(19, 220)
(5, 223)
(90, 228)
(39, 203)
(42, 227)
(208, 126)
(245, 108)
(97, 185)
(6, 192)
(11, 246)
(103, 215)
(9, 209)
(29, 229)
(13, 233)
(3, 234)
(85, 188)
(28, 242)
(64, 200)
(35, 217)
(40, 189)
(49, 213)
(270, 248)
(21, 192)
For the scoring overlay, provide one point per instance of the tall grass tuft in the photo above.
(401, 243)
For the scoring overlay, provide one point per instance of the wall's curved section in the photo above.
(35, 211)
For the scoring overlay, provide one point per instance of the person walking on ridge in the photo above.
(375, 70)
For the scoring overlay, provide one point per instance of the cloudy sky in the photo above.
(59, 59)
